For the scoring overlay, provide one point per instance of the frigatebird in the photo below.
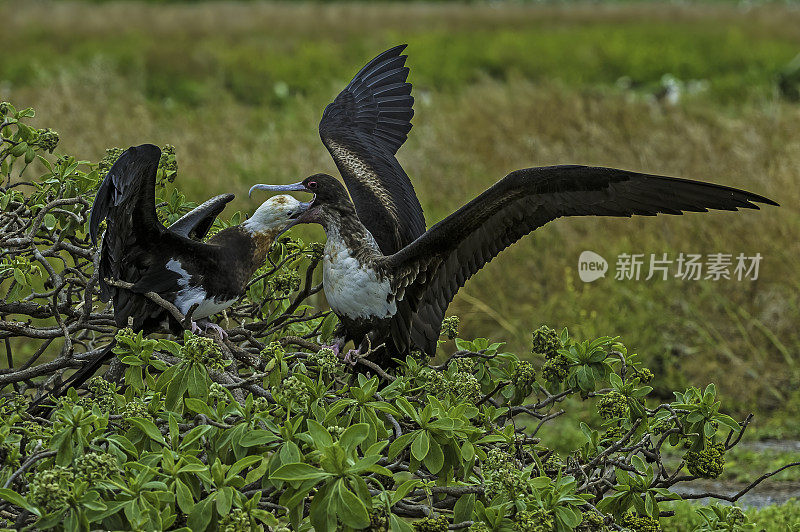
(399, 300)
(363, 128)
(171, 261)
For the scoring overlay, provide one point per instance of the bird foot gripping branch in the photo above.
(208, 325)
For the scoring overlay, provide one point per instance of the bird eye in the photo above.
(311, 185)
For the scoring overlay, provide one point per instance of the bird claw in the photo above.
(352, 357)
(335, 347)
(223, 335)
(208, 325)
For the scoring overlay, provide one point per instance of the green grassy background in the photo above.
(239, 89)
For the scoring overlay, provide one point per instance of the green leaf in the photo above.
(399, 525)
(571, 518)
(200, 516)
(710, 393)
(728, 421)
(112, 507)
(354, 435)
(419, 449)
(242, 464)
(327, 326)
(149, 428)
(193, 468)
(184, 496)
(638, 463)
(404, 405)
(435, 457)
(289, 453)
(19, 149)
(376, 448)
(258, 472)
(71, 521)
(352, 510)
(199, 406)
(320, 435)
(224, 500)
(257, 437)
(50, 221)
(322, 511)
(195, 434)
(198, 381)
(404, 489)
(467, 451)
(400, 443)
(492, 438)
(462, 511)
(299, 471)
(18, 500)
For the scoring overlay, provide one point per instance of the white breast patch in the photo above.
(351, 289)
(189, 295)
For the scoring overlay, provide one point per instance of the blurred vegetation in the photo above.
(239, 88)
(770, 519)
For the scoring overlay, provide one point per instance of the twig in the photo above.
(152, 296)
(28, 463)
(734, 498)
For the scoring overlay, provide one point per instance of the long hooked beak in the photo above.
(295, 187)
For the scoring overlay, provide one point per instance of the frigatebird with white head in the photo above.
(400, 299)
(172, 261)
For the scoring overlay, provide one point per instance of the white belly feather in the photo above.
(189, 295)
(351, 289)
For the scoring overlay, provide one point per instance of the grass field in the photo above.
(239, 89)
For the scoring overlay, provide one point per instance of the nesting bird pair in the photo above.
(387, 279)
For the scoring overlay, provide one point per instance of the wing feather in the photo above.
(197, 222)
(126, 200)
(362, 129)
(436, 265)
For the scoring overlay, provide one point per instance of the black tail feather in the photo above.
(38, 408)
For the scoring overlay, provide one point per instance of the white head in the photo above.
(278, 213)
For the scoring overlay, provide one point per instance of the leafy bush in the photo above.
(269, 430)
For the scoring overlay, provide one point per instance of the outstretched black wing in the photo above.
(196, 223)
(363, 128)
(126, 199)
(430, 271)
(128, 191)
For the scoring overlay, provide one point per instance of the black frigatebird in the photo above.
(171, 262)
(400, 299)
(362, 129)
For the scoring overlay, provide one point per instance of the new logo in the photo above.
(591, 266)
